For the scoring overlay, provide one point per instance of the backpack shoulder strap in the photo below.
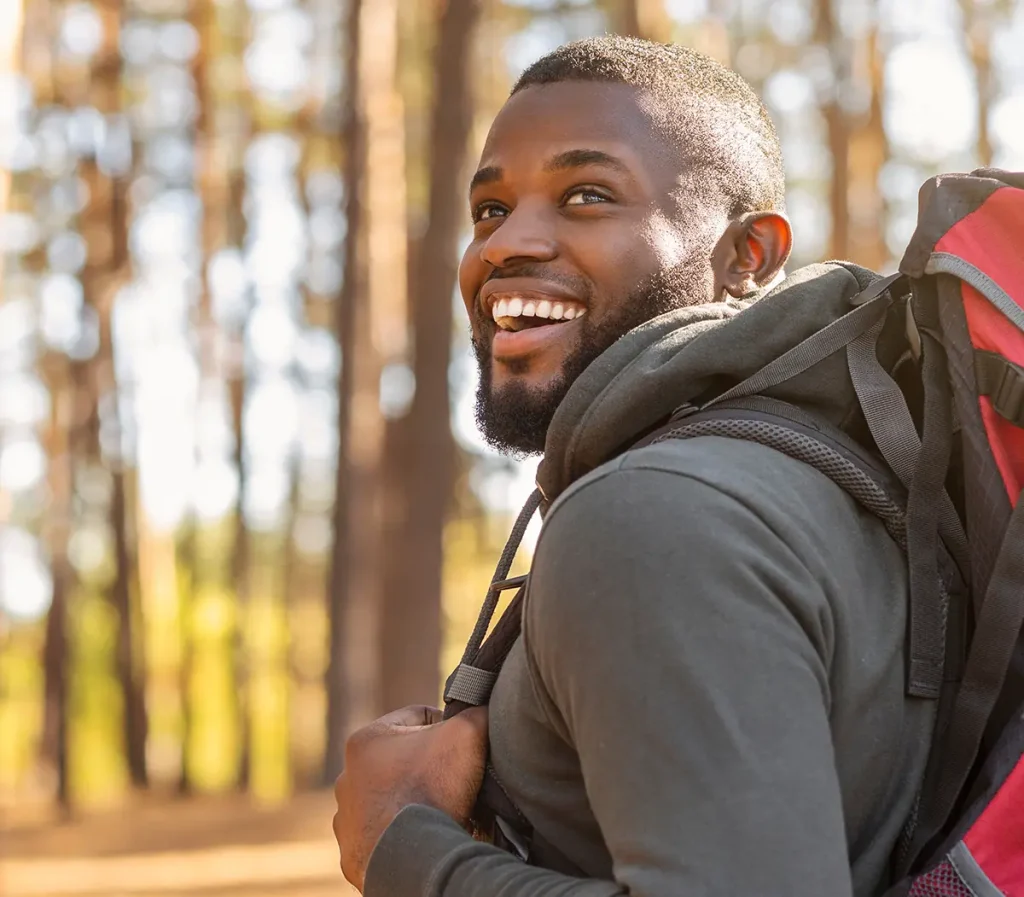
(802, 436)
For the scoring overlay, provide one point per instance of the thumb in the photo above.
(410, 717)
(473, 719)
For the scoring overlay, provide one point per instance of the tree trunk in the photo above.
(12, 15)
(978, 33)
(370, 329)
(54, 743)
(828, 36)
(424, 463)
(105, 227)
(647, 19)
(240, 579)
(868, 153)
(130, 660)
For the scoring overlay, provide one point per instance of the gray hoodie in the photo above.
(708, 694)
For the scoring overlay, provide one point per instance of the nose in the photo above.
(526, 234)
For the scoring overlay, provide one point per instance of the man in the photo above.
(708, 693)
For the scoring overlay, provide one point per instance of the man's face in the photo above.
(583, 229)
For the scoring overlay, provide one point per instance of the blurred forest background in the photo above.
(243, 504)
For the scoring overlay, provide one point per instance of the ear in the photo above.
(751, 252)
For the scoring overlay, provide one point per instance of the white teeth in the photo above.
(544, 308)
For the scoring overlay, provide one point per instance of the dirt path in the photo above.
(215, 847)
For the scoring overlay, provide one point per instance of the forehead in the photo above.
(541, 121)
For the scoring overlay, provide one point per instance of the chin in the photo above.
(529, 381)
(514, 411)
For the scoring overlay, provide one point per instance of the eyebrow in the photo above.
(578, 158)
(575, 158)
(487, 175)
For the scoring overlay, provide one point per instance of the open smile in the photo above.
(528, 318)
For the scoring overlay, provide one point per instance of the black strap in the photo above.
(995, 637)
(490, 656)
(869, 306)
(1003, 382)
(928, 594)
(786, 429)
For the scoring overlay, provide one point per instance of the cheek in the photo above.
(613, 259)
(665, 243)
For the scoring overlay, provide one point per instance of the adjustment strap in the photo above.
(1003, 382)
(469, 684)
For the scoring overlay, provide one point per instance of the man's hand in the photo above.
(407, 757)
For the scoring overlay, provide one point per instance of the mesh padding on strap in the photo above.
(942, 881)
(843, 472)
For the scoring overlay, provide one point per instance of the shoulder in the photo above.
(680, 482)
(723, 527)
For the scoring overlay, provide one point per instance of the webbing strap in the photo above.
(1003, 382)
(884, 405)
(818, 346)
(470, 684)
(892, 427)
(995, 637)
(499, 582)
(816, 451)
(929, 603)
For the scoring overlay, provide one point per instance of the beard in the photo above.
(515, 418)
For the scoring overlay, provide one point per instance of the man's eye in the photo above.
(486, 211)
(584, 196)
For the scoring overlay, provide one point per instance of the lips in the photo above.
(530, 315)
(525, 287)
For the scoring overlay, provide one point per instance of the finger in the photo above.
(336, 828)
(415, 715)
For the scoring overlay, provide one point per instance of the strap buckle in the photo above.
(1008, 399)
(890, 284)
(513, 582)
(1003, 382)
(470, 685)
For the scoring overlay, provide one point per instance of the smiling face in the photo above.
(583, 228)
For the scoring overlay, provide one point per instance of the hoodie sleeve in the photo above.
(679, 638)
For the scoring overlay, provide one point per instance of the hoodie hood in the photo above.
(699, 352)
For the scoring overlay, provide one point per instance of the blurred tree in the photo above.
(370, 330)
(210, 177)
(645, 18)
(423, 467)
(12, 14)
(104, 226)
(982, 21)
(828, 35)
(867, 154)
(227, 132)
(54, 741)
(977, 19)
(240, 561)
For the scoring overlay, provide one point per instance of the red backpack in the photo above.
(933, 365)
(966, 264)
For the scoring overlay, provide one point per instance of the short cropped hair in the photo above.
(703, 106)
